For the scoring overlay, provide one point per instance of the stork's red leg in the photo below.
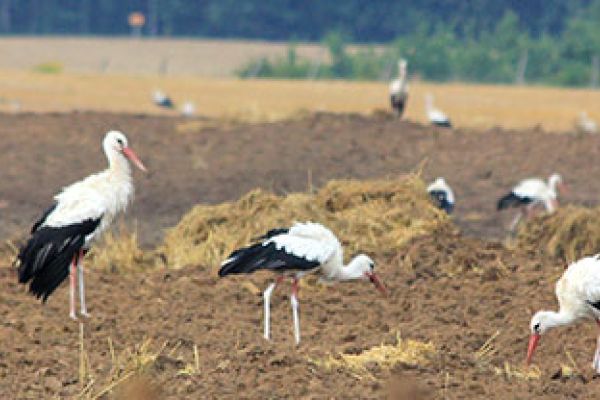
(596, 362)
(83, 308)
(295, 304)
(72, 279)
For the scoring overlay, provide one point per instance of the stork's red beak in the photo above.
(533, 342)
(563, 188)
(134, 158)
(375, 281)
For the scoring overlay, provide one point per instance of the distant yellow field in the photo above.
(472, 106)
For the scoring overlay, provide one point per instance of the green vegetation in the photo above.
(50, 67)
(502, 55)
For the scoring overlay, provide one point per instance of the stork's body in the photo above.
(530, 193)
(399, 89)
(442, 195)
(80, 213)
(294, 252)
(578, 295)
(585, 124)
(436, 116)
(162, 100)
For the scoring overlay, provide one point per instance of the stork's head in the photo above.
(556, 183)
(541, 321)
(364, 267)
(115, 143)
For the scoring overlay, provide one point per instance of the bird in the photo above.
(81, 212)
(585, 124)
(578, 294)
(434, 115)
(188, 109)
(295, 252)
(442, 195)
(162, 100)
(398, 89)
(530, 193)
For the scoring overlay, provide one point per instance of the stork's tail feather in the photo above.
(45, 259)
(243, 261)
(510, 200)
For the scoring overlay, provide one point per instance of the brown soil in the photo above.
(453, 290)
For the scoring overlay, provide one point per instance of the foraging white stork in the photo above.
(81, 212)
(162, 100)
(399, 89)
(585, 124)
(434, 115)
(578, 294)
(188, 109)
(295, 252)
(532, 192)
(442, 195)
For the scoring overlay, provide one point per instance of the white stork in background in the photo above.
(188, 109)
(530, 193)
(442, 195)
(399, 89)
(80, 213)
(162, 100)
(585, 124)
(578, 294)
(434, 115)
(294, 252)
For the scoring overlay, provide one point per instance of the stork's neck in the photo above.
(354, 270)
(555, 319)
(118, 165)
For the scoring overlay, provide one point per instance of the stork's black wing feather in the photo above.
(45, 258)
(512, 200)
(271, 233)
(258, 256)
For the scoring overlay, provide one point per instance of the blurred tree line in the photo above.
(547, 41)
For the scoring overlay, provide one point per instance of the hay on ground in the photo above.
(377, 216)
(570, 233)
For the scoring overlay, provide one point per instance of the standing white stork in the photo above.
(585, 124)
(399, 89)
(162, 100)
(188, 109)
(442, 195)
(81, 212)
(578, 294)
(530, 193)
(434, 115)
(295, 252)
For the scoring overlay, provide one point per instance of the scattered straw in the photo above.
(570, 233)
(376, 216)
(405, 351)
(513, 372)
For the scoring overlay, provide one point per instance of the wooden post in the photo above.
(522, 67)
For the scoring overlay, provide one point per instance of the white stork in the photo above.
(295, 252)
(399, 89)
(442, 195)
(162, 100)
(188, 109)
(585, 124)
(80, 213)
(530, 193)
(434, 115)
(578, 294)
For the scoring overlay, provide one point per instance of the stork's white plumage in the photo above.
(442, 194)
(399, 89)
(434, 115)
(188, 109)
(578, 294)
(161, 99)
(585, 124)
(81, 212)
(295, 252)
(532, 192)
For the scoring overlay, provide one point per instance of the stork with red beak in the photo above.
(578, 294)
(294, 252)
(80, 213)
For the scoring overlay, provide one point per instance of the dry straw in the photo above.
(377, 216)
(570, 233)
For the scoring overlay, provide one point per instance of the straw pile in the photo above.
(384, 357)
(376, 216)
(570, 233)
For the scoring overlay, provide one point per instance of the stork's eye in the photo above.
(120, 141)
(536, 327)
